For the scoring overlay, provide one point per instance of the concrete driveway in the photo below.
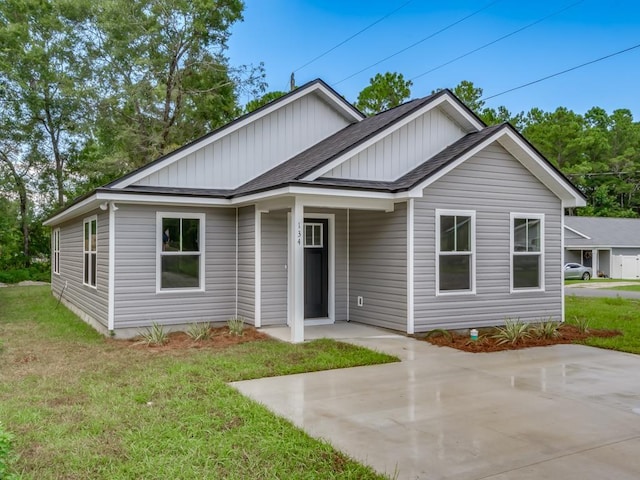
(562, 412)
(600, 289)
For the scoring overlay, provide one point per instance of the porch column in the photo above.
(297, 272)
(594, 263)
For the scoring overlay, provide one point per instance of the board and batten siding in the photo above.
(378, 267)
(273, 275)
(253, 149)
(494, 184)
(136, 302)
(340, 266)
(403, 150)
(88, 302)
(246, 262)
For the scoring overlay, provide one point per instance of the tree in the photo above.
(384, 92)
(45, 76)
(166, 78)
(263, 100)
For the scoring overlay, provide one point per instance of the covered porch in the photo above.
(322, 260)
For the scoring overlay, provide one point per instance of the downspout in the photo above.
(112, 266)
(236, 308)
(348, 265)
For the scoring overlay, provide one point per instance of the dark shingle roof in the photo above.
(323, 152)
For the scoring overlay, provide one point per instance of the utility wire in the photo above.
(353, 36)
(619, 52)
(418, 42)
(497, 40)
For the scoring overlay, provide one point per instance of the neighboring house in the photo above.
(610, 246)
(305, 212)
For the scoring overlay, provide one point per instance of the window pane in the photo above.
(180, 271)
(526, 271)
(170, 234)
(455, 272)
(190, 235)
(447, 234)
(93, 268)
(317, 235)
(463, 235)
(308, 235)
(533, 230)
(519, 235)
(86, 236)
(86, 267)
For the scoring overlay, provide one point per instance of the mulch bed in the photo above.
(220, 338)
(568, 334)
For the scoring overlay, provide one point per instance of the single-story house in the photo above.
(610, 246)
(306, 212)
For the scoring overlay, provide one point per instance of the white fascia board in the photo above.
(577, 232)
(84, 206)
(598, 247)
(452, 109)
(339, 104)
(529, 159)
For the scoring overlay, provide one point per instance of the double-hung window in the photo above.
(180, 259)
(455, 251)
(527, 251)
(90, 250)
(55, 250)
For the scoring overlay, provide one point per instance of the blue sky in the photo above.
(286, 34)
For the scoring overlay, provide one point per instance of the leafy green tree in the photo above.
(385, 91)
(166, 80)
(263, 100)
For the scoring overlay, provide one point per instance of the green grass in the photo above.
(80, 406)
(597, 280)
(628, 288)
(608, 313)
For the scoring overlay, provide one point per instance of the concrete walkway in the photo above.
(567, 411)
(601, 289)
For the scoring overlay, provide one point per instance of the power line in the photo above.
(353, 36)
(619, 52)
(497, 40)
(418, 42)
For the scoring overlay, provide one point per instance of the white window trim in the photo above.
(531, 216)
(89, 220)
(459, 213)
(313, 225)
(55, 250)
(201, 242)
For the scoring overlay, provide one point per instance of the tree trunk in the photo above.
(21, 188)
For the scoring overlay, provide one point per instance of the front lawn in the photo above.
(84, 407)
(608, 313)
(628, 288)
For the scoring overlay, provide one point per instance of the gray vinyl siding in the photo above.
(136, 302)
(493, 184)
(378, 267)
(340, 259)
(402, 150)
(92, 302)
(572, 256)
(246, 262)
(253, 149)
(625, 251)
(273, 276)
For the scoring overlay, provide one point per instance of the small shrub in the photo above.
(236, 326)
(6, 440)
(155, 335)
(548, 329)
(512, 332)
(199, 331)
(439, 332)
(581, 323)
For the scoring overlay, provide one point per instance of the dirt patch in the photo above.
(220, 337)
(567, 334)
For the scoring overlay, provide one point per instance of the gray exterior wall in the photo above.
(572, 256)
(255, 148)
(493, 184)
(246, 262)
(625, 251)
(340, 259)
(274, 268)
(90, 303)
(136, 302)
(378, 267)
